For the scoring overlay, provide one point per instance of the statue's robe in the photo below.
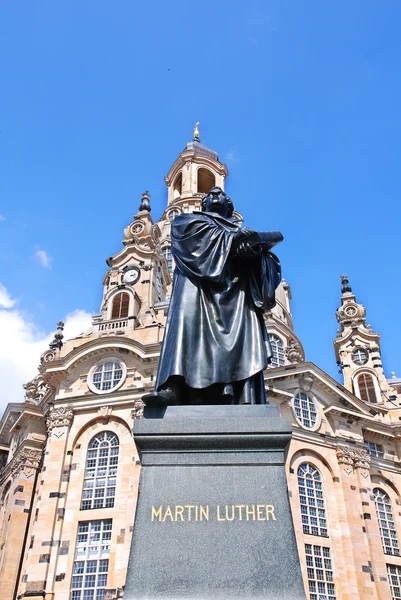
(215, 333)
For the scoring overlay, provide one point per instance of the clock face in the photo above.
(131, 275)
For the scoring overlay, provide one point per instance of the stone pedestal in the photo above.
(213, 518)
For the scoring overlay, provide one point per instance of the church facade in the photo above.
(69, 469)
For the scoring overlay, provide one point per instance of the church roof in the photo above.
(201, 149)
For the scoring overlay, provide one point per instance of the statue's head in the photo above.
(217, 201)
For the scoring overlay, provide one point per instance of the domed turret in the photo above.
(357, 349)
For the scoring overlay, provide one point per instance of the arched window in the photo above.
(206, 181)
(177, 186)
(120, 307)
(278, 358)
(386, 522)
(305, 410)
(313, 512)
(166, 252)
(366, 387)
(101, 469)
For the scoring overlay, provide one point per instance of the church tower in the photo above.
(357, 349)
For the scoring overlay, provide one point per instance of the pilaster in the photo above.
(366, 567)
(46, 529)
(16, 489)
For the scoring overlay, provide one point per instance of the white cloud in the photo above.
(231, 156)
(5, 299)
(21, 344)
(43, 259)
(2, 218)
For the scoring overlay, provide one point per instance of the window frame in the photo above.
(103, 466)
(273, 345)
(172, 210)
(98, 364)
(100, 535)
(318, 566)
(374, 452)
(391, 582)
(360, 349)
(380, 523)
(372, 374)
(112, 300)
(169, 260)
(312, 397)
(307, 507)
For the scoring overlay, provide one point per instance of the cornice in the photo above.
(29, 413)
(327, 383)
(56, 370)
(11, 414)
(198, 158)
(352, 333)
(133, 250)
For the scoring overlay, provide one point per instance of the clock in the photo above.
(131, 275)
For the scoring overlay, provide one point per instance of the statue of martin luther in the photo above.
(216, 345)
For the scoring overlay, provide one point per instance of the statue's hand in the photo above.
(246, 244)
(246, 251)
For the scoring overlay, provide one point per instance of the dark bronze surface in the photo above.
(216, 345)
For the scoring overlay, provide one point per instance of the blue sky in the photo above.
(300, 98)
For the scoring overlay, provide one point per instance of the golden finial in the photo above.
(196, 132)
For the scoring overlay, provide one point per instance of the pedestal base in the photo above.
(213, 518)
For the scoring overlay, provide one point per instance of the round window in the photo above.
(136, 228)
(173, 214)
(107, 376)
(351, 311)
(305, 410)
(360, 356)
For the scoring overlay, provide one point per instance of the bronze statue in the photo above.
(216, 345)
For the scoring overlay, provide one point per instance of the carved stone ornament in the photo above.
(355, 458)
(156, 233)
(361, 459)
(59, 417)
(26, 461)
(305, 382)
(137, 411)
(48, 356)
(35, 390)
(105, 411)
(344, 456)
(293, 352)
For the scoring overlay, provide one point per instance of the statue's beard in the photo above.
(219, 208)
